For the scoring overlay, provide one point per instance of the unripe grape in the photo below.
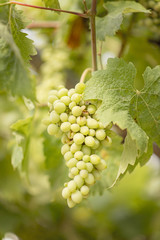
(90, 179)
(60, 86)
(86, 150)
(89, 166)
(76, 111)
(62, 92)
(89, 141)
(79, 181)
(70, 175)
(65, 193)
(74, 148)
(101, 125)
(86, 158)
(65, 148)
(102, 165)
(97, 144)
(92, 123)
(81, 165)
(96, 174)
(91, 109)
(70, 203)
(71, 92)
(52, 99)
(95, 159)
(78, 155)
(64, 117)
(78, 138)
(84, 130)
(100, 134)
(64, 139)
(59, 107)
(76, 196)
(72, 119)
(76, 97)
(75, 127)
(68, 155)
(72, 105)
(84, 190)
(65, 127)
(66, 100)
(81, 121)
(52, 129)
(71, 163)
(46, 121)
(74, 171)
(54, 117)
(53, 92)
(83, 173)
(72, 186)
(92, 132)
(79, 88)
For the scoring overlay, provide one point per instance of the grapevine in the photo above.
(75, 121)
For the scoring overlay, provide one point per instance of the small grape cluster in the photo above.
(81, 135)
(153, 19)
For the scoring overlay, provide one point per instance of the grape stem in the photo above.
(83, 15)
(84, 74)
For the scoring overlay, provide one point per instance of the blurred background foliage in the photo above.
(31, 205)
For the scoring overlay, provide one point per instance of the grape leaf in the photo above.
(110, 24)
(52, 3)
(13, 72)
(122, 104)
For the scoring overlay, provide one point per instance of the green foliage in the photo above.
(51, 3)
(110, 24)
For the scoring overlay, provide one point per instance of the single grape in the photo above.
(86, 158)
(46, 121)
(84, 190)
(102, 165)
(52, 129)
(65, 148)
(79, 88)
(72, 186)
(97, 144)
(81, 165)
(72, 105)
(89, 167)
(74, 171)
(75, 148)
(90, 179)
(65, 127)
(75, 127)
(76, 97)
(92, 123)
(86, 150)
(95, 159)
(53, 92)
(62, 92)
(65, 193)
(84, 173)
(71, 163)
(64, 117)
(76, 196)
(79, 181)
(89, 141)
(84, 130)
(76, 111)
(96, 174)
(66, 100)
(59, 107)
(81, 121)
(78, 155)
(100, 134)
(91, 109)
(52, 99)
(92, 132)
(68, 155)
(78, 138)
(54, 117)
(71, 92)
(70, 203)
(70, 175)
(64, 139)
(72, 119)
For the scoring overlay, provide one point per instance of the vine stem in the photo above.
(93, 35)
(84, 74)
(44, 8)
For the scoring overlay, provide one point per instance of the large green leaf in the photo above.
(52, 3)
(110, 24)
(122, 104)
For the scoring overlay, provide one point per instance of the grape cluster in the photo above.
(81, 135)
(153, 19)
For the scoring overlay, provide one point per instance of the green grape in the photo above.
(72, 105)
(76, 111)
(92, 132)
(68, 155)
(86, 150)
(84, 130)
(70, 203)
(76, 196)
(74, 171)
(46, 121)
(79, 181)
(52, 129)
(71, 92)
(79, 88)
(89, 167)
(75, 127)
(72, 186)
(65, 193)
(72, 119)
(53, 92)
(66, 100)
(89, 141)
(54, 117)
(91, 109)
(78, 138)
(78, 155)
(76, 98)
(84, 173)
(62, 92)
(75, 148)
(81, 121)
(97, 144)
(64, 117)
(81, 165)
(90, 180)
(86, 158)
(52, 99)
(65, 127)
(100, 134)
(84, 190)
(64, 139)
(95, 159)
(70, 175)
(65, 148)
(71, 163)
(96, 174)
(92, 123)
(59, 107)
(102, 165)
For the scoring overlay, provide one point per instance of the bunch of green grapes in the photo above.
(153, 19)
(74, 120)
